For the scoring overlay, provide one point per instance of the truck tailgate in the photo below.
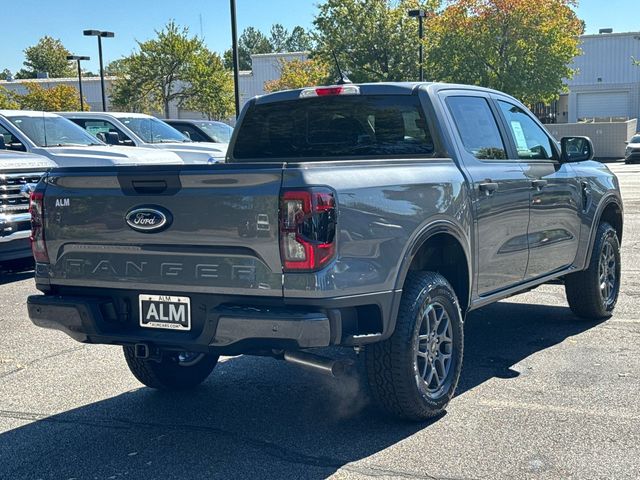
(220, 235)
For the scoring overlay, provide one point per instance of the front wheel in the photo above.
(173, 371)
(593, 293)
(414, 373)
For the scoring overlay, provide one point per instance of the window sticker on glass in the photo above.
(518, 134)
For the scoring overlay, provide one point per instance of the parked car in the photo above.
(632, 152)
(140, 130)
(383, 214)
(203, 130)
(19, 174)
(68, 145)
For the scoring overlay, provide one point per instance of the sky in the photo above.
(137, 19)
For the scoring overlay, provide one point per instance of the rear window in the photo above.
(335, 127)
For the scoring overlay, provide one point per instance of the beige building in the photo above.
(265, 67)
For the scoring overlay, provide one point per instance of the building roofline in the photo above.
(55, 80)
(614, 34)
(279, 54)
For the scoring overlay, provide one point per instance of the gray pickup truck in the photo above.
(369, 216)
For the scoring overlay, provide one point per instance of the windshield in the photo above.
(635, 139)
(335, 127)
(49, 131)
(218, 131)
(152, 130)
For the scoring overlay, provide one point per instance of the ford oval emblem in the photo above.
(148, 219)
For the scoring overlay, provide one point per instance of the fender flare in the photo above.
(424, 234)
(607, 200)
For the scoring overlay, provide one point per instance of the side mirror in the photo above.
(576, 149)
(112, 138)
(186, 134)
(3, 146)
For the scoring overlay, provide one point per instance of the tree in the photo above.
(211, 87)
(299, 41)
(375, 40)
(154, 76)
(253, 41)
(7, 99)
(299, 74)
(278, 38)
(49, 55)
(6, 74)
(517, 46)
(55, 99)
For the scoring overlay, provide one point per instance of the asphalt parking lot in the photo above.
(543, 395)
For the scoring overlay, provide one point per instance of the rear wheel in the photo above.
(593, 293)
(415, 372)
(174, 371)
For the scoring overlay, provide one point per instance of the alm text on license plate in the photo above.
(165, 311)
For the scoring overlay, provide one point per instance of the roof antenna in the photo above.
(343, 77)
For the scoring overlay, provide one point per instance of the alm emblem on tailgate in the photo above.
(148, 219)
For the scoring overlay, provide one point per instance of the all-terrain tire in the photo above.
(394, 369)
(585, 290)
(170, 373)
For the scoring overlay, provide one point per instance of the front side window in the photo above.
(532, 143)
(477, 127)
(335, 127)
(100, 128)
(152, 130)
(50, 131)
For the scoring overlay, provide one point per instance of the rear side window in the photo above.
(335, 127)
(477, 127)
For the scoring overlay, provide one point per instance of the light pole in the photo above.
(78, 59)
(420, 13)
(100, 35)
(234, 51)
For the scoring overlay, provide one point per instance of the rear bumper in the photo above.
(216, 328)
(84, 320)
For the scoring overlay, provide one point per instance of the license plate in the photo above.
(164, 311)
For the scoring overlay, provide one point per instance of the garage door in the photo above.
(603, 104)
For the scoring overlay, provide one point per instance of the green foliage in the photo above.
(151, 78)
(211, 87)
(253, 41)
(49, 55)
(299, 74)
(5, 74)
(54, 99)
(7, 99)
(517, 46)
(375, 40)
(173, 67)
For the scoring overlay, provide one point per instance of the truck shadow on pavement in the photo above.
(261, 418)
(15, 271)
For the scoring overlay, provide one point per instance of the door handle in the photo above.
(488, 187)
(539, 184)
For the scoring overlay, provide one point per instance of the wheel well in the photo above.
(612, 214)
(443, 253)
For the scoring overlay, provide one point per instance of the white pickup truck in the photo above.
(140, 130)
(68, 145)
(19, 174)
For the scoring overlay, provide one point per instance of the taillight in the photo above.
(307, 228)
(36, 209)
